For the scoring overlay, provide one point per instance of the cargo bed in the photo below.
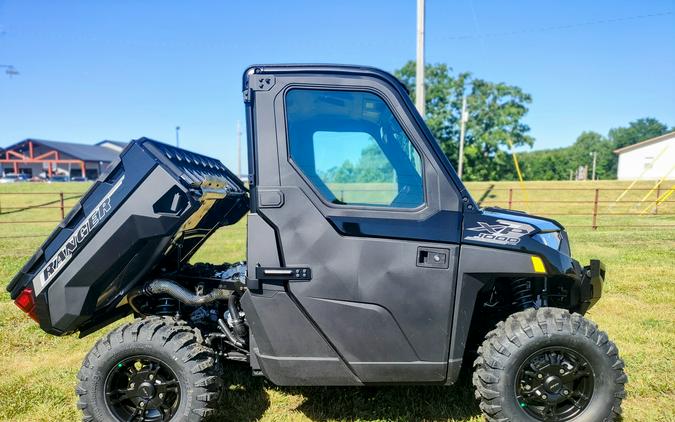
(146, 216)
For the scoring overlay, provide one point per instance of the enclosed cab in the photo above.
(368, 263)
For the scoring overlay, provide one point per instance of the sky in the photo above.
(120, 70)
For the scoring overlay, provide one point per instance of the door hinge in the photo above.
(247, 95)
(261, 82)
(258, 83)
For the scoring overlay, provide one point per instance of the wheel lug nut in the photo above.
(142, 404)
(540, 376)
(562, 371)
(566, 392)
(152, 376)
(543, 396)
(161, 395)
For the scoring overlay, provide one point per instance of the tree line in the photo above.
(496, 112)
(556, 164)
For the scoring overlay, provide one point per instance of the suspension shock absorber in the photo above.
(521, 293)
(238, 325)
(166, 306)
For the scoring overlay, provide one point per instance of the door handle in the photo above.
(283, 273)
(433, 257)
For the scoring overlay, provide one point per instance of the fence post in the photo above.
(595, 209)
(63, 209)
(510, 197)
(656, 201)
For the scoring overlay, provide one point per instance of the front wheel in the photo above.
(549, 365)
(151, 370)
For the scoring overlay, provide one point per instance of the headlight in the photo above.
(550, 239)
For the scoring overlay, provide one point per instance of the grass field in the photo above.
(37, 371)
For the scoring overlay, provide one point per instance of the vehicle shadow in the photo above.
(402, 403)
(244, 398)
(247, 399)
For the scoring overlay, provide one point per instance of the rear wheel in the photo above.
(154, 369)
(549, 365)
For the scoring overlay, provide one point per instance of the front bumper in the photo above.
(590, 288)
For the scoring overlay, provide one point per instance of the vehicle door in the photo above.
(361, 202)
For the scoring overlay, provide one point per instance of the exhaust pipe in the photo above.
(183, 295)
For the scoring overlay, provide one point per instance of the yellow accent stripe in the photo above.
(538, 264)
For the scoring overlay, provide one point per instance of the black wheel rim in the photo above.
(142, 388)
(554, 384)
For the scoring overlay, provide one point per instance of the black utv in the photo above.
(368, 263)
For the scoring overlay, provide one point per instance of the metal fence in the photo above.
(54, 203)
(637, 209)
(654, 202)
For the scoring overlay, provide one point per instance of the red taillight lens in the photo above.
(26, 302)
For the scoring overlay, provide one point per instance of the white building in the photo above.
(652, 159)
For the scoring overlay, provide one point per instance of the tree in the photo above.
(548, 164)
(372, 167)
(556, 164)
(585, 145)
(637, 131)
(495, 111)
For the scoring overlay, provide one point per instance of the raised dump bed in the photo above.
(146, 216)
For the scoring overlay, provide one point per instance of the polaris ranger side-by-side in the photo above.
(368, 263)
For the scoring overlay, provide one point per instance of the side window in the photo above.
(352, 149)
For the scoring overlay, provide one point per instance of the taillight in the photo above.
(26, 302)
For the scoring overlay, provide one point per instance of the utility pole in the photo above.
(177, 139)
(419, 74)
(239, 149)
(462, 129)
(595, 156)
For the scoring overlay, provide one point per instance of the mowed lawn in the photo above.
(37, 371)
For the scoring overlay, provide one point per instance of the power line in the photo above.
(557, 27)
(476, 26)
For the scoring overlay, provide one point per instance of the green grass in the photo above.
(37, 371)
